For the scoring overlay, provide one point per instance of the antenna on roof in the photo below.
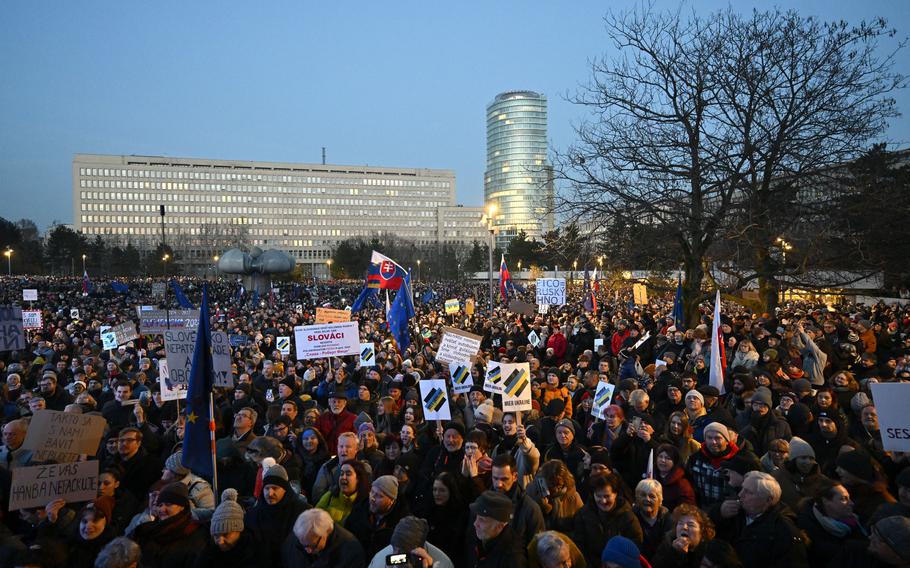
(323, 155)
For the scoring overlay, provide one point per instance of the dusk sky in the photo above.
(381, 83)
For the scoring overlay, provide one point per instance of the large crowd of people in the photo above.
(327, 463)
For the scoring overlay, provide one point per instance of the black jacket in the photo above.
(772, 539)
(593, 528)
(374, 534)
(504, 551)
(341, 551)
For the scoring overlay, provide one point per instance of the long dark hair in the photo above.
(456, 501)
(364, 481)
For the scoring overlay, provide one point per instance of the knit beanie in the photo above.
(175, 465)
(622, 552)
(895, 531)
(859, 401)
(175, 494)
(228, 516)
(762, 395)
(800, 448)
(697, 395)
(387, 485)
(276, 475)
(484, 413)
(858, 463)
(719, 428)
(366, 427)
(410, 533)
(801, 386)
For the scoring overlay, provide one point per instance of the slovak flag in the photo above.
(384, 273)
(505, 280)
(86, 284)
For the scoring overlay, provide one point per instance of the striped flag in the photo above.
(718, 356)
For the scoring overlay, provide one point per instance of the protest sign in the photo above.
(125, 332)
(435, 399)
(516, 388)
(523, 308)
(458, 345)
(74, 313)
(108, 337)
(551, 291)
(469, 306)
(533, 338)
(30, 295)
(12, 336)
(158, 289)
(31, 319)
(159, 321)
(602, 397)
(367, 355)
(543, 309)
(38, 485)
(327, 340)
(328, 315)
(891, 402)
(452, 306)
(639, 294)
(169, 391)
(283, 344)
(63, 436)
(598, 342)
(239, 340)
(221, 360)
(178, 347)
(492, 380)
(461, 377)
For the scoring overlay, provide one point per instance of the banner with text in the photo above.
(39, 485)
(891, 402)
(63, 436)
(159, 321)
(551, 291)
(12, 336)
(327, 340)
(458, 345)
(516, 386)
(328, 315)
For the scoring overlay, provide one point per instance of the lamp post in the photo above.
(83, 264)
(215, 258)
(8, 253)
(574, 269)
(784, 247)
(519, 269)
(418, 270)
(329, 263)
(488, 219)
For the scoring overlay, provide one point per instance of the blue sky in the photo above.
(382, 83)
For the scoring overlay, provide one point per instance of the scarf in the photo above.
(834, 527)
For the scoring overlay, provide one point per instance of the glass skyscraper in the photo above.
(519, 179)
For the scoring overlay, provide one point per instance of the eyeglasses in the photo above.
(127, 440)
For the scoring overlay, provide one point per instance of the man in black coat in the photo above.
(319, 542)
(373, 520)
(492, 541)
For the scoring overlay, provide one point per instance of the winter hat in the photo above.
(366, 427)
(859, 401)
(102, 506)
(801, 386)
(622, 552)
(762, 395)
(719, 428)
(361, 418)
(800, 448)
(276, 475)
(484, 413)
(175, 494)
(290, 382)
(387, 485)
(566, 423)
(771, 353)
(895, 531)
(494, 505)
(858, 463)
(410, 532)
(697, 395)
(556, 406)
(799, 416)
(174, 464)
(709, 391)
(267, 447)
(228, 516)
(742, 463)
(457, 426)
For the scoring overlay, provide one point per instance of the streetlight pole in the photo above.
(490, 215)
(9, 261)
(83, 264)
(418, 270)
(329, 262)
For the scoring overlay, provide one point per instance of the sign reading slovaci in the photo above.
(63, 436)
(39, 485)
(891, 401)
(327, 340)
(458, 346)
(12, 338)
(551, 291)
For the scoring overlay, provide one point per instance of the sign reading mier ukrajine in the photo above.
(327, 340)
(12, 337)
(458, 345)
(891, 400)
(551, 291)
(516, 386)
(38, 485)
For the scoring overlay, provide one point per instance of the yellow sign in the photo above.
(469, 306)
(328, 315)
(452, 307)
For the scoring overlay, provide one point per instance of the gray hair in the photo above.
(314, 521)
(550, 546)
(650, 485)
(118, 553)
(765, 483)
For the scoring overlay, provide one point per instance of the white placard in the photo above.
(458, 345)
(327, 340)
(283, 344)
(30, 295)
(74, 313)
(435, 399)
(31, 319)
(891, 402)
(367, 355)
(602, 397)
(178, 347)
(492, 380)
(221, 360)
(462, 381)
(108, 339)
(598, 342)
(516, 387)
(38, 485)
(543, 309)
(533, 338)
(551, 291)
(168, 393)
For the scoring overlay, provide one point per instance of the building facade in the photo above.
(304, 209)
(519, 179)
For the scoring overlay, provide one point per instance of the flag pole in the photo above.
(212, 435)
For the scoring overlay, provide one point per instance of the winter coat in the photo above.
(527, 457)
(707, 475)
(668, 557)
(761, 431)
(794, 486)
(676, 487)
(330, 425)
(172, 543)
(653, 534)
(270, 523)
(504, 551)
(374, 533)
(828, 538)
(342, 550)
(447, 527)
(593, 528)
(247, 553)
(771, 539)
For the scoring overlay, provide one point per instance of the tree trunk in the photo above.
(692, 295)
(768, 285)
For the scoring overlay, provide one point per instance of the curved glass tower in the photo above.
(518, 180)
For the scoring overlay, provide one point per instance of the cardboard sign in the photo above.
(462, 381)
(435, 399)
(452, 307)
(639, 294)
(158, 289)
(891, 401)
(533, 338)
(38, 485)
(327, 340)
(30, 295)
(551, 291)
(543, 309)
(74, 313)
(458, 345)
(125, 332)
(179, 346)
(367, 355)
(159, 321)
(63, 436)
(328, 315)
(169, 391)
(469, 306)
(31, 319)
(12, 336)
(516, 388)
(602, 397)
(283, 344)
(523, 308)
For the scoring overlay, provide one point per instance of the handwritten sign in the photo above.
(125, 332)
(63, 436)
(31, 319)
(523, 308)
(328, 315)
(435, 399)
(179, 346)
(551, 291)
(30, 295)
(12, 336)
(327, 340)
(640, 294)
(469, 306)
(458, 345)
(38, 485)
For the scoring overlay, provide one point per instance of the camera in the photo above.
(400, 560)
